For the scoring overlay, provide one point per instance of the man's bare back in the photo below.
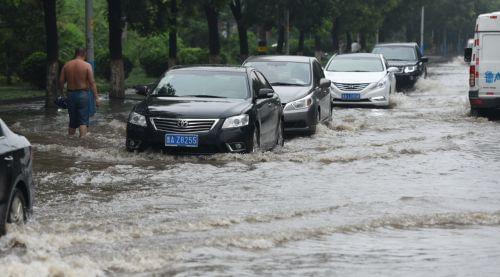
(78, 74)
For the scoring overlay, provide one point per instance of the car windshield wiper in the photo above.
(204, 96)
(360, 71)
(397, 60)
(286, 84)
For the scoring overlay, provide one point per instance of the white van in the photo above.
(484, 80)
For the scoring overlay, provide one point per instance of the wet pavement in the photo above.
(409, 191)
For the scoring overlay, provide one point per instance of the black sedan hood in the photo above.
(401, 63)
(192, 107)
(288, 94)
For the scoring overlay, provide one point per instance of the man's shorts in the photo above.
(78, 108)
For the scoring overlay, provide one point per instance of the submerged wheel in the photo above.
(17, 209)
(280, 139)
(255, 142)
(314, 128)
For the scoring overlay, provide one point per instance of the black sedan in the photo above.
(302, 88)
(16, 178)
(206, 110)
(407, 58)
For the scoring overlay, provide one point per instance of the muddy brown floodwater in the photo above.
(409, 191)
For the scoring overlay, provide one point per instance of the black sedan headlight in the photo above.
(236, 121)
(137, 119)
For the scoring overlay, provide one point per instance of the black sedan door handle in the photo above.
(9, 159)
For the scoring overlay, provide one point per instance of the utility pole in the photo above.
(287, 32)
(89, 31)
(422, 26)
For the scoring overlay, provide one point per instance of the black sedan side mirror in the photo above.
(265, 93)
(424, 59)
(142, 90)
(468, 55)
(325, 83)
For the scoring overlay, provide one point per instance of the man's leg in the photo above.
(71, 132)
(83, 131)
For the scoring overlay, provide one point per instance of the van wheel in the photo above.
(475, 112)
(17, 209)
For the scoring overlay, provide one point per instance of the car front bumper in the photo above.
(369, 97)
(300, 121)
(217, 140)
(407, 78)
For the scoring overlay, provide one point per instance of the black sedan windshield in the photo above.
(210, 84)
(344, 64)
(284, 73)
(396, 53)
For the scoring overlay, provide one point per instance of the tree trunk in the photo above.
(281, 39)
(242, 28)
(115, 49)
(300, 49)
(318, 51)
(348, 42)
(336, 35)
(172, 35)
(213, 33)
(362, 41)
(49, 7)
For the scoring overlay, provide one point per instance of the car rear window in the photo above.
(491, 45)
(203, 83)
(355, 64)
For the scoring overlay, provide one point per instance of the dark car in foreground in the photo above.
(16, 178)
(302, 88)
(407, 58)
(207, 109)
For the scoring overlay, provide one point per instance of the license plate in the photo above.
(177, 140)
(351, 96)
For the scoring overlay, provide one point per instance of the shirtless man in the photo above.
(79, 76)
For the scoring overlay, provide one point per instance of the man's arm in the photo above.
(62, 80)
(92, 84)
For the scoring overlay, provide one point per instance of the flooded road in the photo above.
(412, 190)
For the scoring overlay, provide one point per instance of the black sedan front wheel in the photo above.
(254, 143)
(17, 210)
(280, 138)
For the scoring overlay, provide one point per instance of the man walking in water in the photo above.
(79, 76)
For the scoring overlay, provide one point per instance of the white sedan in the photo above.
(361, 79)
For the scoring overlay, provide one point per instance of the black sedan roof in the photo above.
(401, 44)
(210, 67)
(282, 58)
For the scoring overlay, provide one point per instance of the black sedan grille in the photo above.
(351, 87)
(183, 126)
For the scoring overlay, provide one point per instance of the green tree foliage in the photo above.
(229, 30)
(33, 70)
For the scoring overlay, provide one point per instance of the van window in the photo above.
(1, 131)
(491, 44)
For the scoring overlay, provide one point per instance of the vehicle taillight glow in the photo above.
(477, 102)
(472, 76)
(476, 42)
(494, 17)
(490, 93)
